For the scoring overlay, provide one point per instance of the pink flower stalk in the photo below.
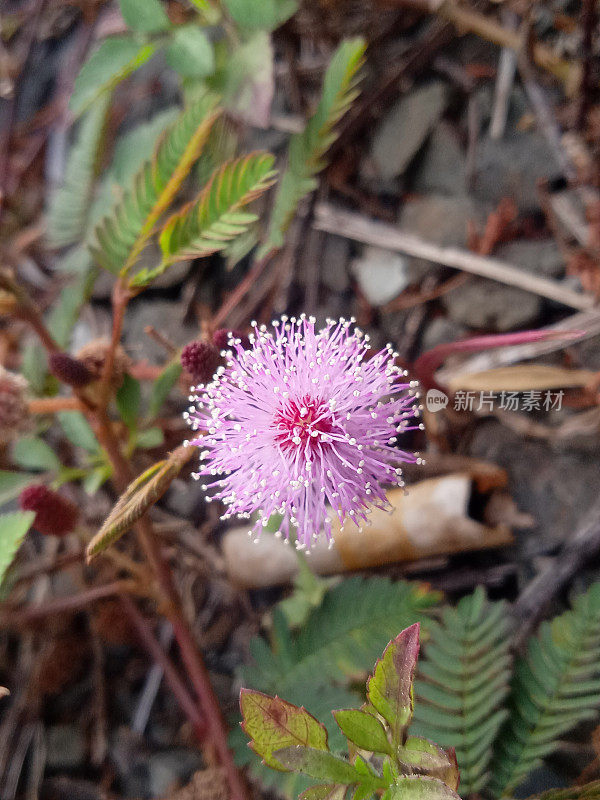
(299, 420)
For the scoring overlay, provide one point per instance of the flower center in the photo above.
(303, 421)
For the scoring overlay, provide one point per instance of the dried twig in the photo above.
(577, 550)
(354, 226)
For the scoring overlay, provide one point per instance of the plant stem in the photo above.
(73, 602)
(50, 405)
(186, 703)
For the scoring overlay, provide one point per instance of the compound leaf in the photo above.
(555, 686)
(307, 149)
(69, 209)
(462, 682)
(121, 236)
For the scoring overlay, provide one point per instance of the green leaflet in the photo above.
(13, 528)
(273, 724)
(145, 16)
(68, 213)
(462, 683)
(419, 788)
(115, 59)
(363, 729)
(214, 219)
(390, 687)
(555, 686)
(121, 236)
(307, 149)
(191, 52)
(263, 15)
(13, 483)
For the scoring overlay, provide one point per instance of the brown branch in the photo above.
(51, 405)
(61, 605)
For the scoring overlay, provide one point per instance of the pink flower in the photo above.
(299, 420)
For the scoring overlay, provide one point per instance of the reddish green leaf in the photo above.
(273, 724)
(416, 787)
(389, 689)
(425, 756)
(365, 730)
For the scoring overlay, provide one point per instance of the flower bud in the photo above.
(93, 358)
(70, 370)
(201, 360)
(54, 514)
(14, 411)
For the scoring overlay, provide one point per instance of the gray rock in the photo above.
(405, 128)
(486, 304)
(66, 747)
(551, 484)
(381, 274)
(441, 330)
(441, 220)
(512, 166)
(165, 316)
(541, 256)
(442, 165)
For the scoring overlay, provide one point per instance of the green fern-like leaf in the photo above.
(463, 679)
(121, 236)
(555, 686)
(339, 642)
(212, 221)
(69, 209)
(307, 149)
(588, 791)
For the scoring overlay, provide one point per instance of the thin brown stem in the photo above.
(176, 684)
(51, 405)
(240, 291)
(121, 295)
(74, 602)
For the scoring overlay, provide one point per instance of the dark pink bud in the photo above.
(70, 370)
(201, 360)
(54, 514)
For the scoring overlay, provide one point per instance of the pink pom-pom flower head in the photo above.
(301, 420)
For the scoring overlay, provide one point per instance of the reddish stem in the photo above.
(240, 290)
(426, 365)
(177, 686)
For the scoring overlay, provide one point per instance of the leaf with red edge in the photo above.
(390, 688)
(273, 724)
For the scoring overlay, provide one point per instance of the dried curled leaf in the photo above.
(142, 493)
